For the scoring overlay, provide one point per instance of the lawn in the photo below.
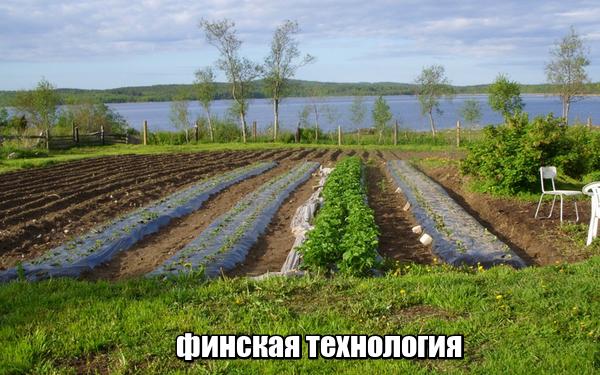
(540, 319)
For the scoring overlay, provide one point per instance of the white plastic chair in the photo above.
(549, 173)
(593, 189)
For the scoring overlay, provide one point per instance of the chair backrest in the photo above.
(594, 189)
(547, 173)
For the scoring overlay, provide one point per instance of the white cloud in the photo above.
(477, 31)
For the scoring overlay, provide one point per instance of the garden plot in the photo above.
(96, 247)
(302, 223)
(227, 240)
(457, 237)
(344, 237)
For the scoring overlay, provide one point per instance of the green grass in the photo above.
(56, 157)
(530, 321)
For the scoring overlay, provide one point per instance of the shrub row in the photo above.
(508, 158)
(345, 236)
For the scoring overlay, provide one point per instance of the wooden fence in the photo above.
(61, 142)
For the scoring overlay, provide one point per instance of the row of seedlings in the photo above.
(345, 235)
(227, 240)
(302, 222)
(99, 246)
(455, 235)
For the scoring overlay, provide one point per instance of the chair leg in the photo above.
(561, 208)
(552, 208)
(538, 206)
(576, 212)
(592, 231)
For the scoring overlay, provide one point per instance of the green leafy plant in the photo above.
(345, 236)
(508, 158)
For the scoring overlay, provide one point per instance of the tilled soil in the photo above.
(397, 240)
(271, 249)
(534, 240)
(43, 208)
(153, 250)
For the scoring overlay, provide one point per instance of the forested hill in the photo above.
(298, 88)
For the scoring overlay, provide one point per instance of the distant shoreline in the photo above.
(297, 89)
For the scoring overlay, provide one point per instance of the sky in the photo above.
(116, 43)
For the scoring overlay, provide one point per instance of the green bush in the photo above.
(225, 131)
(591, 177)
(508, 158)
(345, 235)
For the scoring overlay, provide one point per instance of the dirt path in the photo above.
(396, 241)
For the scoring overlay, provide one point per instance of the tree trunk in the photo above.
(566, 106)
(243, 121)
(316, 124)
(210, 128)
(433, 132)
(276, 119)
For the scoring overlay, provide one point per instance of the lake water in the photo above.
(336, 110)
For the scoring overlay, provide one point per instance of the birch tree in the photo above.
(39, 106)
(180, 116)
(205, 91)
(239, 70)
(432, 85)
(566, 70)
(281, 65)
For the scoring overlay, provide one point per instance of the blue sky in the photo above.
(114, 43)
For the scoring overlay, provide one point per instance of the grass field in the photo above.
(531, 321)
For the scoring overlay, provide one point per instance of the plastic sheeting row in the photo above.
(227, 240)
(302, 223)
(99, 246)
(458, 238)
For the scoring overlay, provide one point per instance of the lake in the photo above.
(336, 110)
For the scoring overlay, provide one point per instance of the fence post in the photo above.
(589, 122)
(145, 132)
(339, 135)
(254, 131)
(196, 132)
(73, 129)
(458, 133)
(102, 134)
(77, 135)
(396, 133)
(126, 138)
(297, 135)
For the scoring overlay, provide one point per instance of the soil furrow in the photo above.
(95, 192)
(29, 239)
(396, 239)
(271, 249)
(152, 251)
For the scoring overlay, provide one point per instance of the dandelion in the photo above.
(499, 297)
(402, 291)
